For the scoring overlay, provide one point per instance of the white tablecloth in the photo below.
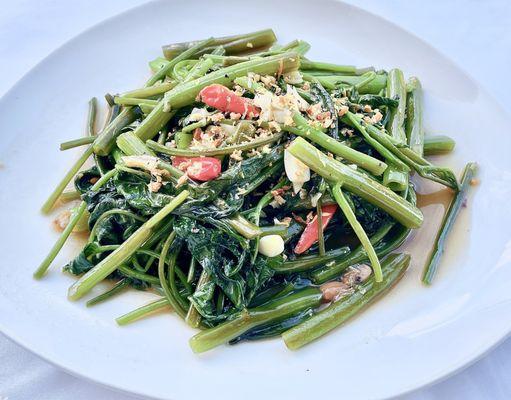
(475, 34)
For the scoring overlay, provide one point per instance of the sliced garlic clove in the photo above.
(296, 171)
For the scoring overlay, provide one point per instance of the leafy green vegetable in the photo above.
(192, 197)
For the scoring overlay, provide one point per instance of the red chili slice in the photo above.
(223, 99)
(199, 168)
(310, 235)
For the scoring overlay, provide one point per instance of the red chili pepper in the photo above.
(223, 99)
(310, 235)
(199, 168)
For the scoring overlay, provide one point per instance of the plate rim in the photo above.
(441, 375)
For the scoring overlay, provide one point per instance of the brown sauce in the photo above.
(433, 200)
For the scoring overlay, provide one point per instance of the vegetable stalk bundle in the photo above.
(255, 192)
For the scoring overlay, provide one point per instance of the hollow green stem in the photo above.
(306, 263)
(116, 289)
(359, 231)
(277, 309)
(50, 202)
(385, 240)
(143, 311)
(136, 274)
(185, 93)
(195, 125)
(193, 317)
(183, 140)
(105, 141)
(447, 223)
(187, 54)
(414, 122)
(374, 86)
(131, 145)
(310, 66)
(435, 145)
(356, 182)
(75, 218)
(77, 142)
(123, 252)
(133, 101)
(338, 312)
(164, 282)
(395, 179)
(396, 88)
(231, 44)
(304, 130)
(91, 116)
(414, 161)
(150, 91)
(216, 151)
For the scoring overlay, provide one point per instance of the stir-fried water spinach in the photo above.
(255, 192)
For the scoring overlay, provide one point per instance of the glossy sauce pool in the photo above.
(433, 199)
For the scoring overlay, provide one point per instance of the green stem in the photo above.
(396, 88)
(359, 231)
(186, 93)
(214, 152)
(358, 183)
(131, 145)
(385, 240)
(338, 312)
(52, 199)
(143, 311)
(105, 141)
(123, 252)
(232, 44)
(414, 161)
(75, 218)
(309, 66)
(173, 271)
(374, 86)
(244, 227)
(447, 223)
(150, 91)
(133, 101)
(304, 130)
(277, 309)
(435, 145)
(321, 236)
(141, 276)
(91, 117)
(193, 317)
(306, 263)
(173, 301)
(414, 121)
(116, 289)
(194, 125)
(77, 142)
(188, 53)
(395, 179)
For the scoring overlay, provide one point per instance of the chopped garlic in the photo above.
(271, 245)
(279, 108)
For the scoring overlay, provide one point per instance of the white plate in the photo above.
(414, 336)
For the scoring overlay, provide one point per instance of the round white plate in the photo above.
(414, 336)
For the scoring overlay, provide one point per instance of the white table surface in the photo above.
(475, 34)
